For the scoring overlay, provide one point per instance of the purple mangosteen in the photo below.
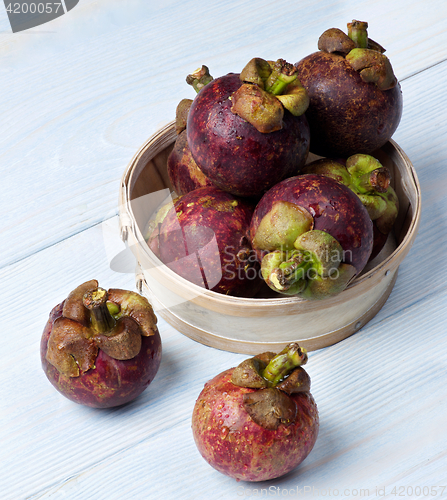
(183, 171)
(355, 98)
(203, 237)
(258, 421)
(101, 348)
(313, 235)
(370, 180)
(247, 131)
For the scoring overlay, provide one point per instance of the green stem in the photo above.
(199, 78)
(283, 363)
(282, 74)
(100, 317)
(376, 181)
(357, 32)
(291, 271)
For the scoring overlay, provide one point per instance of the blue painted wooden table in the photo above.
(80, 94)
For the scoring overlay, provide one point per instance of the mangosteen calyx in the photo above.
(335, 40)
(373, 66)
(94, 319)
(369, 179)
(269, 408)
(282, 226)
(181, 115)
(199, 78)
(269, 88)
(364, 55)
(313, 270)
(275, 377)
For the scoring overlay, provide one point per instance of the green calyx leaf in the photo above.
(373, 67)
(318, 257)
(281, 226)
(268, 89)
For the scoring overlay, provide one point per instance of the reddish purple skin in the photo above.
(190, 226)
(184, 174)
(232, 153)
(334, 207)
(346, 115)
(111, 382)
(231, 442)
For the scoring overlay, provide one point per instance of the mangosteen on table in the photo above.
(203, 237)
(247, 131)
(257, 421)
(101, 348)
(312, 234)
(355, 99)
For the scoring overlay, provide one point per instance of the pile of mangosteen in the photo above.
(249, 212)
(251, 208)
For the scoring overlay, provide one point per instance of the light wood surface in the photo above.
(80, 95)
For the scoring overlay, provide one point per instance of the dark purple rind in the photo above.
(201, 236)
(183, 171)
(334, 207)
(111, 382)
(346, 115)
(232, 153)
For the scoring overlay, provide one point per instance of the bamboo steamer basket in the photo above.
(250, 326)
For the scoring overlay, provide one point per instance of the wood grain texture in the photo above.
(80, 96)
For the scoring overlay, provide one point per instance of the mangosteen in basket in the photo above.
(101, 348)
(203, 237)
(258, 421)
(355, 98)
(370, 180)
(183, 171)
(313, 235)
(247, 131)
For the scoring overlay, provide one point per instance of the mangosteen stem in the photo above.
(357, 32)
(368, 175)
(283, 363)
(282, 74)
(376, 181)
(291, 270)
(199, 78)
(101, 319)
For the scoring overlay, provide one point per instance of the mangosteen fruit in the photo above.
(313, 236)
(101, 348)
(370, 180)
(247, 131)
(355, 99)
(257, 421)
(183, 171)
(153, 225)
(203, 237)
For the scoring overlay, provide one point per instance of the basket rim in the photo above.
(388, 265)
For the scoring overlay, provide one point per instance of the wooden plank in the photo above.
(375, 391)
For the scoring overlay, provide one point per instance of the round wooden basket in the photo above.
(250, 326)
